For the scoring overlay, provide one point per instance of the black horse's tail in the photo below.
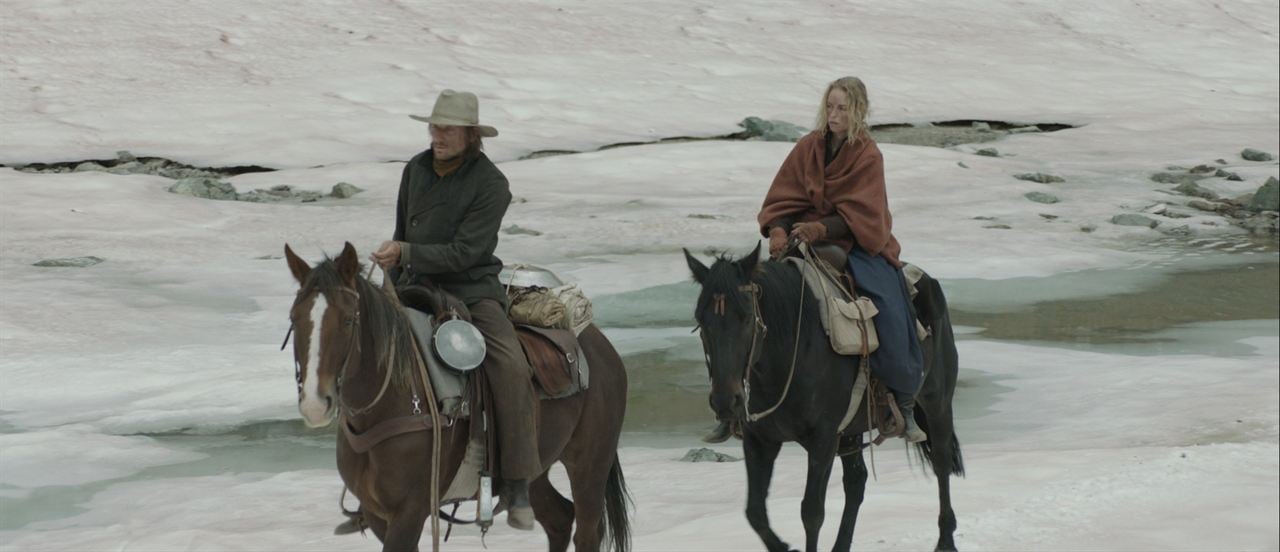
(931, 306)
(924, 449)
(617, 509)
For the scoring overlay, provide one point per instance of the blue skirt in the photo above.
(898, 362)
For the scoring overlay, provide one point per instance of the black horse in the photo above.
(748, 312)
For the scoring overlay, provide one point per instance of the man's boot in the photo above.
(519, 512)
(906, 405)
(720, 434)
(354, 524)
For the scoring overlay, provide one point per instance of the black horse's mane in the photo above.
(779, 283)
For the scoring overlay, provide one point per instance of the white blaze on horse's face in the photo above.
(315, 404)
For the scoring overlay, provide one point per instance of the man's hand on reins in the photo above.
(387, 255)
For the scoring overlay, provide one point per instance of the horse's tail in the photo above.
(924, 449)
(617, 508)
(931, 306)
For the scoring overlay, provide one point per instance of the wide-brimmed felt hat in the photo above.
(455, 108)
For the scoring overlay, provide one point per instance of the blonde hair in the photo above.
(859, 106)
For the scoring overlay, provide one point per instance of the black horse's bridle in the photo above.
(759, 330)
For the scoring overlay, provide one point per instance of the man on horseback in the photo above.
(830, 190)
(452, 200)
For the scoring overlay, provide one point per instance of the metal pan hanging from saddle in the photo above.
(459, 344)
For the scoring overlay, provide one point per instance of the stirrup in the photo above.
(848, 444)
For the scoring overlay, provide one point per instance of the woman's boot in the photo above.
(906, 405)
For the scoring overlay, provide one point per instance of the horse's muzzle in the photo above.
(317, 412)
(729, 406)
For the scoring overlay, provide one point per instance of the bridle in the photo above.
(353, 347)
(434, 416)
(759, 330)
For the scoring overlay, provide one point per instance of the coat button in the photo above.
(414, 222)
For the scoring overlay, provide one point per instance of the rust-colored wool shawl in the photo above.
(852, 186)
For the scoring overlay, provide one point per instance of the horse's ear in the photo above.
(297, 266)
(748, 263)
(348, 265)
(699, 270)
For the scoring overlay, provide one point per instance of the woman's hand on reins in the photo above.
(809, 232)
(777, 242)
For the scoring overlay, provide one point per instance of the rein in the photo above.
(434, 413)
(355, 346)
(760, 330)
(795, 350)
(393, 426)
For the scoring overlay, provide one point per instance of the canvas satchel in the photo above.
(850, 323)
(847, 322)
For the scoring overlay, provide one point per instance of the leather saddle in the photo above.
(558, 363)
(835, 259)
(878, 402)
(559, 367)
(832, 254)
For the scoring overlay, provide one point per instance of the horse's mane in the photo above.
(381, 318)
(779, 283)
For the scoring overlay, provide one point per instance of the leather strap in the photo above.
(564, 341)
(386, 429)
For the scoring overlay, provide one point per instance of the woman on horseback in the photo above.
(831, 189)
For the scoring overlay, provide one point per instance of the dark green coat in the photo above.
(450, 226)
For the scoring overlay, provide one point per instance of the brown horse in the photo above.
(353, 351)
